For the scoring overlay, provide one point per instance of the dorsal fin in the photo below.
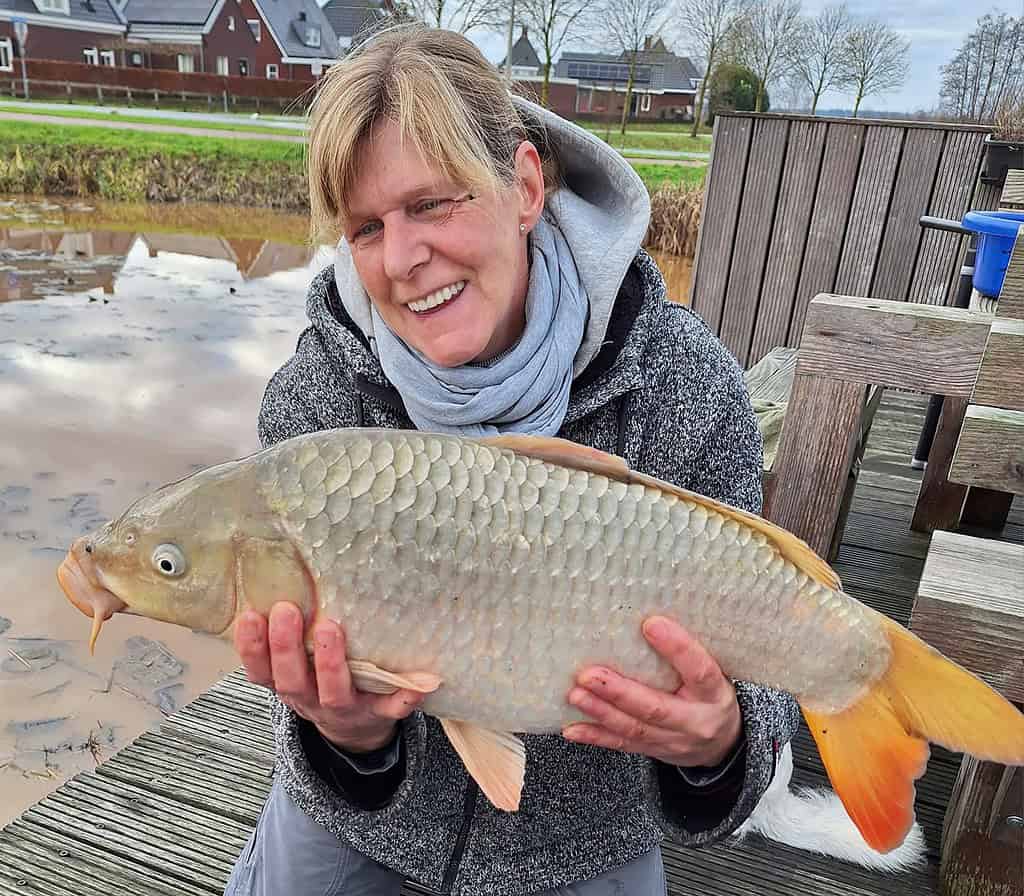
(580, 457)
(564, 453)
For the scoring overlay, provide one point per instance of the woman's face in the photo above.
(445, 269)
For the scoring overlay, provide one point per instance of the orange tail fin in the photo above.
(876, 749)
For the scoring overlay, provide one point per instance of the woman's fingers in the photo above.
(250, 639)
(333, 681)
(289, 663)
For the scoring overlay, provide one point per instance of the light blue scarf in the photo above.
(526, 389)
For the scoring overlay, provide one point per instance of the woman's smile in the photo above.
(438, 299)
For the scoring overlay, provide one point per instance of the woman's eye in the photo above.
(368, 229)
(169, 560)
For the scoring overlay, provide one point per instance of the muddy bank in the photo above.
(107, 173)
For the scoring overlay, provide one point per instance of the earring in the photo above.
(522, 228)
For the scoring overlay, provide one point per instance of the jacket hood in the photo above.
(602, 208)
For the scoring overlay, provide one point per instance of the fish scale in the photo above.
(516, 572)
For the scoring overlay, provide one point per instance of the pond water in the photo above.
(135, 343)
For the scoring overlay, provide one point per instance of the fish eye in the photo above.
(169, 560)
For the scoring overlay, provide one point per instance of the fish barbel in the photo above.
(487, 572)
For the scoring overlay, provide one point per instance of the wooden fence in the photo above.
(797, 206)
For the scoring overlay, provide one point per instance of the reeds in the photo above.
(1009, 122)
(675, 219)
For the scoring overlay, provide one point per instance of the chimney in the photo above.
(523, 37)
(647, 42)
(302, 16)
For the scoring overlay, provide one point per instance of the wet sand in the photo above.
(146, 366)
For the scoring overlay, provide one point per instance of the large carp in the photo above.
(487, 572)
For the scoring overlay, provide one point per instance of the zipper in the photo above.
(468, 806)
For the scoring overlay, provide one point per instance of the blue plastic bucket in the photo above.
(996, 234)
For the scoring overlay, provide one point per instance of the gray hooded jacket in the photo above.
(651, 384)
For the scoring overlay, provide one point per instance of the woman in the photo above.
(490, 278)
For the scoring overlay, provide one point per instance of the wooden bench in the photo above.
(769, 384)
(970, 605)
(971, 596)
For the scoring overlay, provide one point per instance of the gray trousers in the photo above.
(290, 853)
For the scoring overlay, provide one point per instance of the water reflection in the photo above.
(146, 360)
(49, 247)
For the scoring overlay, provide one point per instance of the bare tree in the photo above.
(987, 70)
(875, 61)
(706, 26)
(818, 64)
(629, 23)
(457, 15)
(554, 22)
(766, 39)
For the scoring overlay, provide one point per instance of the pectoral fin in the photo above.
(374, 680)
(495, 759)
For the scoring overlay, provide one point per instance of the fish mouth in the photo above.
(78, 576)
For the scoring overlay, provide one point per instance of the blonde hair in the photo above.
(445, 97)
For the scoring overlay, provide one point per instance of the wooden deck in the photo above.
(168, 814)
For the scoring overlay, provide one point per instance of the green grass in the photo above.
(142, 119)
(141, 143)
(668, 140)
(656, 175)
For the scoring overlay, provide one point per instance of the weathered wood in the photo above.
(938, 261)
(982, 848)
(868, 214)
(922, 150)
(753, 231)
(718, 220)
(827, 228)
(990, 450)
(814, 457)
(1013, 190)
(939, 502)
(789, 237)
(970, 606)
(894, 344)
(1011, 298)
(1000, 380)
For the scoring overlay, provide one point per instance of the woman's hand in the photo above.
(321, 691)
(697, 725)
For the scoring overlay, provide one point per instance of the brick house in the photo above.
(352, 18)
(665, 85)
(268, 39)
(69, 30)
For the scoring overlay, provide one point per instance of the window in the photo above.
(645, 102)
(254, 27)
(231, 23)
(6, 55)
(107, 58)
(243, 67)
(312, 35)
(223, 65)
(61, 6)
(186, 62)
(271, 70)
(136, 59)
(90, 56)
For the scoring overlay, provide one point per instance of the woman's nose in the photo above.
(405, 248)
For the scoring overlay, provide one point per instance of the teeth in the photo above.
(438, 298)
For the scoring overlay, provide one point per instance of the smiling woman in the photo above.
(489, 279)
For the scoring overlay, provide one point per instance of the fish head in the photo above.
(170, 557)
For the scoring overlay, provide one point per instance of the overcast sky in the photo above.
(935, 29)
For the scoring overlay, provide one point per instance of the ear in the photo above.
(529, 184)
